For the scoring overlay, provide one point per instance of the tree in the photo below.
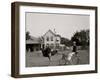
(65, 41)
(28, 35)
(81, 38)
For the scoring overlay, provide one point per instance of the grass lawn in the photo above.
(34, 59)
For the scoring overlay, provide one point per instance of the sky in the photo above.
(64, 24)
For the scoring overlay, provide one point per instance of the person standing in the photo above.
(74, 47)
(75, 58)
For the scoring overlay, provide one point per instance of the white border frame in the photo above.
(53, 69)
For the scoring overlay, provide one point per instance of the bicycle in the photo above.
(70, 59)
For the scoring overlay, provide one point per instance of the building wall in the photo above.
(49, 35)
(33, 47)
(51, 42)
(58, 39)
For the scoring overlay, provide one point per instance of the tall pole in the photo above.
(55, 39)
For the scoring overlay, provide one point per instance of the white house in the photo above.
(51, 39)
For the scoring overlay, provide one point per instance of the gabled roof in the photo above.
(51, 32)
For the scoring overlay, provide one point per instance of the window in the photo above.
(51, 38)
(57, 40)
(57, 45)
(47, 38)
(51, 45)
(47, 45)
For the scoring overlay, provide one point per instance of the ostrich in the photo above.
(48, 53)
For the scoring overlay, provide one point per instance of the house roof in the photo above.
(52, 33)
(33, 40)
(49, 31)
(58, 35)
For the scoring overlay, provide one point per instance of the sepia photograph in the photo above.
(53, 39)
(57, 39)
